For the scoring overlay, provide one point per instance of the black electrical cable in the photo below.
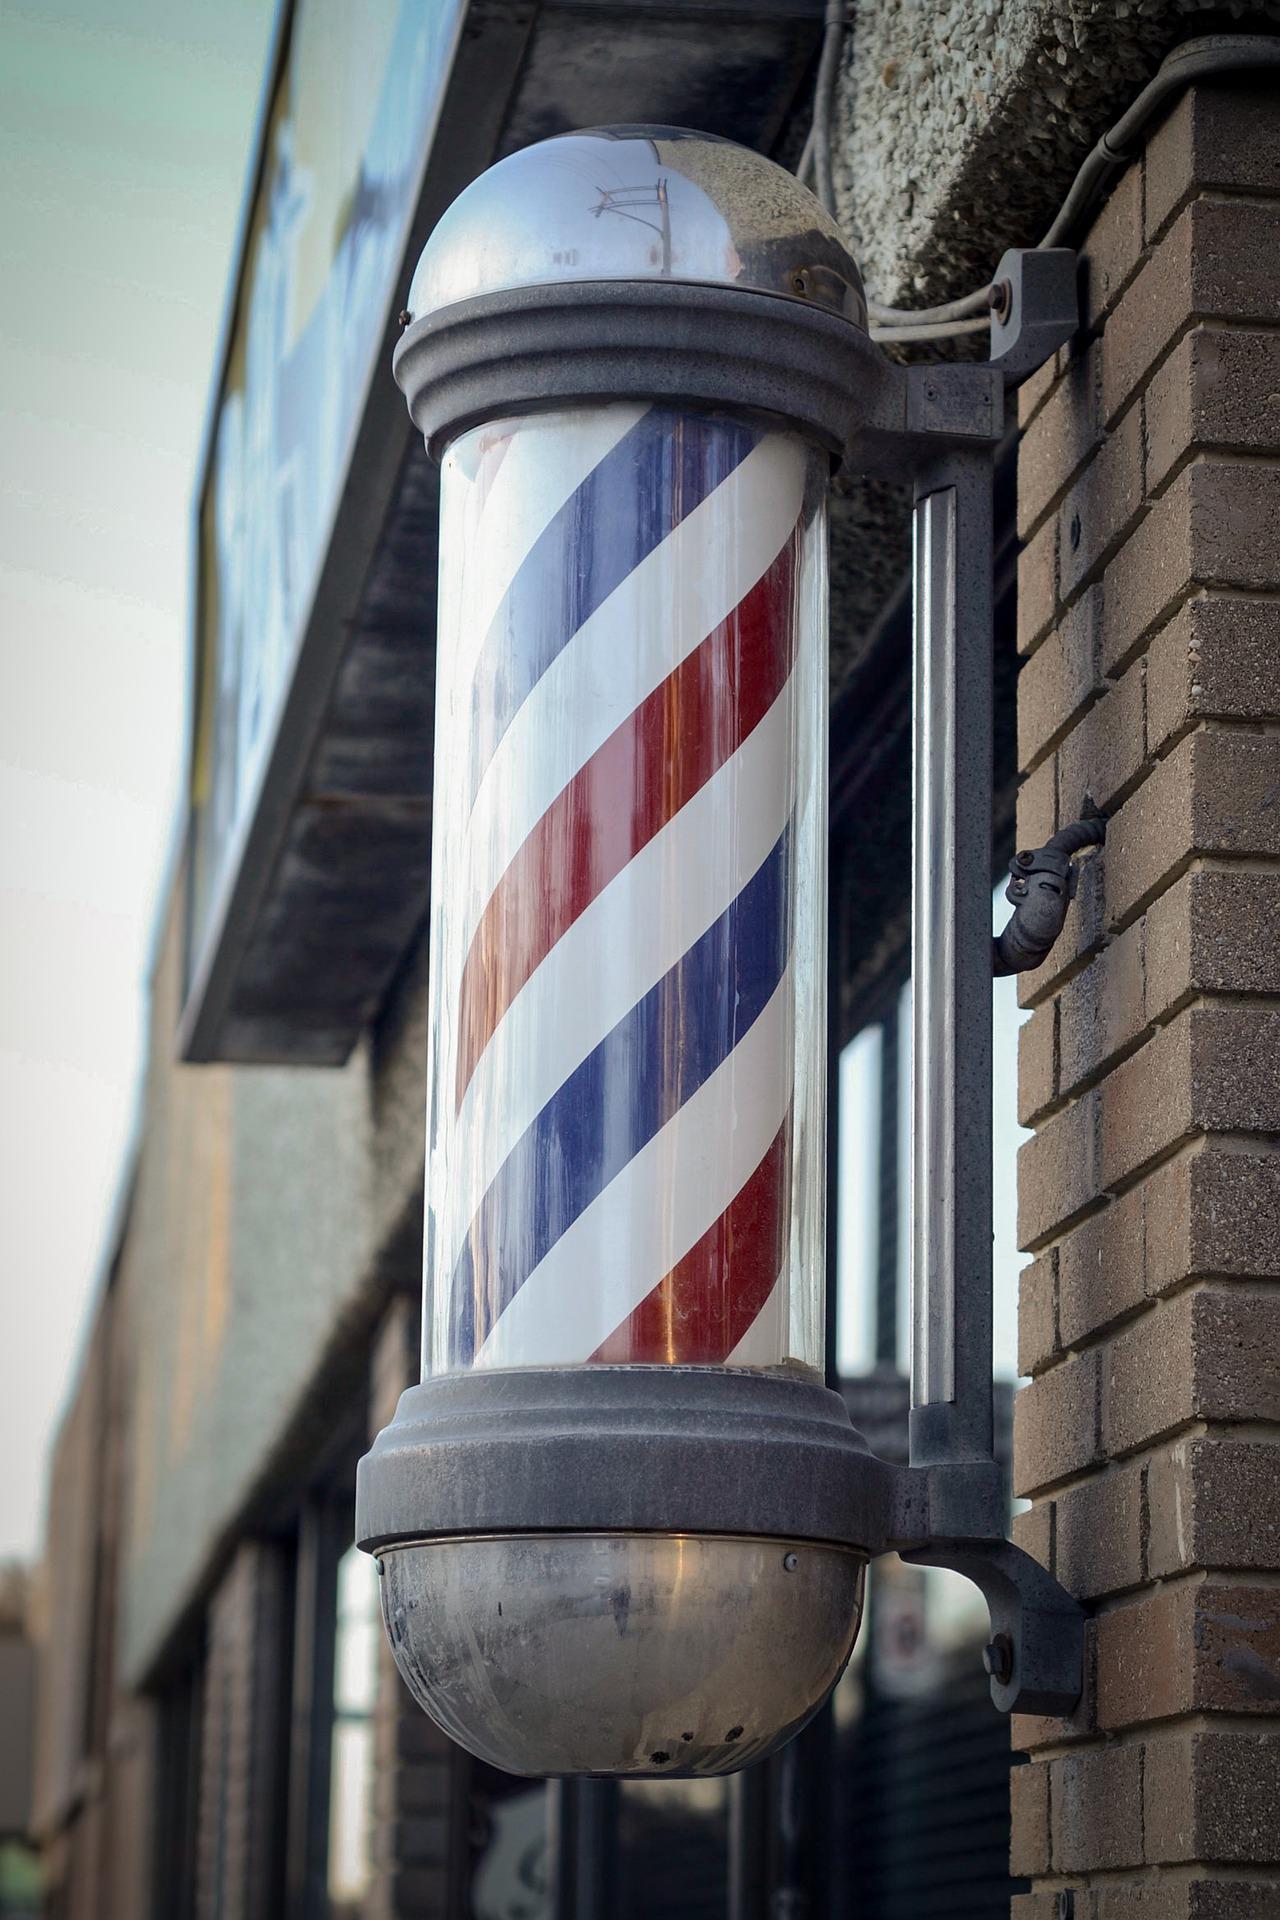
(1206, 57)
(824, 102)
(1042, 884)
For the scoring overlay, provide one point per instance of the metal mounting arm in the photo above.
(1036, 1654)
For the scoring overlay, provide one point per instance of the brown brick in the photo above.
(1103, 755)
(1058, 1170)
(1147, 1102)
(1096, 1798)
(1060, 439)
(1101, 505)
(1214, 1211)
(1037, 586)
(1098, 1534)
(1219, 657)
(1214, 1503)
(1055, 1424)
(1037, 1315)
(1217, 389)
(1101, 1010)
(1032, 1530)
(1212, 1796)
(1233, 1215)
(1217, 261)
(1223, 137)
(1102, 1268)
(1037, 387)
(1214, 932)
(1112, 248)
(1218, 525)
(1217, 793)
(1060, 678)
(1204, 1355)
(1038, 805)
(1037, 1063)
(1215, 1069)
(1036, 1906)
(1170, 1899)
(1029, 1820)
(1235, 1069)
(1194, 1647)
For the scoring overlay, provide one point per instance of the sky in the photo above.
(125, 128)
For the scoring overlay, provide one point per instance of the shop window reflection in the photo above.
(355, 1680)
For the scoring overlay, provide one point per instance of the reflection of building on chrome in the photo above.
(221, 1730)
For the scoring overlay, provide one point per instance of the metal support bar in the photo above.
(951, 963)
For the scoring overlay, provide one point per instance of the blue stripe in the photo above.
(627, 505)
(642, 1073)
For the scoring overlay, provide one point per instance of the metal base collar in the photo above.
(627, 1450)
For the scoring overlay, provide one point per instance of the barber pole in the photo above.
(628, 887)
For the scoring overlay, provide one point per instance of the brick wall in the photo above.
(1149, 1437)
(420, 1778)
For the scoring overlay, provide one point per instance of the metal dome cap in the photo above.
(638, 203)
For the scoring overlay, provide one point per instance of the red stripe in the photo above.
(699, 1312)
(647, 769)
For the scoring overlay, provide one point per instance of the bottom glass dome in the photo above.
(621, 1653)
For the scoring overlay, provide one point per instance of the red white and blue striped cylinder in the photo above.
(626, 1085)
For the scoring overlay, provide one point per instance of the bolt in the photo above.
(790, 1561)
(998, 1659)
(1001, 299)
(403, 318)
(1025, 859)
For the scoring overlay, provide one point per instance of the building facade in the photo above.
(221, 1730)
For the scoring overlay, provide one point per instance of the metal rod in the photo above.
(749, 1826)
(951, 942)
(888, 1177)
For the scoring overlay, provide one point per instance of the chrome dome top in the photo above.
(638, 203)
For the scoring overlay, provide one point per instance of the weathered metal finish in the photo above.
(635, 1449)
(951, 1105)
(644, 1654)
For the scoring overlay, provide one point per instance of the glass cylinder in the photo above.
(626, 1105)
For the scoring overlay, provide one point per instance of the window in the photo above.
(358, 1632)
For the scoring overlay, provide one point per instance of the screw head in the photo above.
(790, 1562)
(1026, 859)
(998, 1659)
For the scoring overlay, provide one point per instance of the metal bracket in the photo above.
(1036, 1654)
(947, 423)
(1035, 310)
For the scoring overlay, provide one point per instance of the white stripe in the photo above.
(620, 946)
(653, 620)
(659, 1206)
(765, 1341)
(484, 539)
(543, 468)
